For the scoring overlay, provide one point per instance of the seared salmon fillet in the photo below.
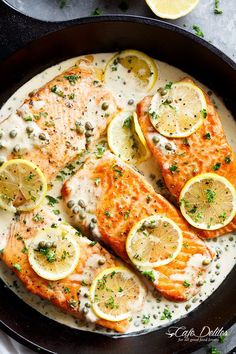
(61, 119)
(206, 150)
(113, 197)
(68, 294)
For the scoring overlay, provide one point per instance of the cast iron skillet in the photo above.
(164, 42)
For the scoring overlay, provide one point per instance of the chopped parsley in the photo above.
(217, 11)
(97, 181)
(38, 217)
(210, 194)
(59, 93)
(186, 284)
(213, 350)
(207, 136)
(204, 113)
(127, 122)
(107, 214)
(222, 338)
(51, 200)
(149, 275)
(96, 12)
(173, 168)
(72, 79)
(126, 215)
(166, 315)
(48, 252)
(100, 150)
(198, 31)
(186, 142)
(216, 167)
(227, 159)
(17, 266)
(93, 243)
(111, 303)
(145, 319)
(168, 86)
(62, 4)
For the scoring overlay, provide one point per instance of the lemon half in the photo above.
(208, 201)
(154, 241)
(54, 253)
(115, 293)
(179, 110)
(171, 9)
(23, 186)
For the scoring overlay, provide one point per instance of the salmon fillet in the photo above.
(206, 150)
(65, 293)
(59, 112)
(114, 198)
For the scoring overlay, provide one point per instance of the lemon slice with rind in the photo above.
(125, 138)
(208, 201)
(154, 241)
(54, 253)
(116, 293)
(134, 68)
(171, 9)
(178, 111)
(23, 186)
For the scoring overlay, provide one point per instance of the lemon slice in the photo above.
(208, 201)
(171, 9)
(137, 70)
(53, 253)
(154, 241)
(23, 186)
(115, 293)
(125, 138)
(179, 110)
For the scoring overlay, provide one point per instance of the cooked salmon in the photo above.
(113, 197)
(65, 293)
(69, 114)
(206, 150)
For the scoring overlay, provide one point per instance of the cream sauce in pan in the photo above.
(156, 311)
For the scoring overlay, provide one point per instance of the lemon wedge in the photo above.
(171, 9)
(154, 241)
(137, 70)
(115, 293)
(208, 201)
(23, 186)
(178, 110)
(54, 253)
(125, 138)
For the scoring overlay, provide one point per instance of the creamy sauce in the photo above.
(127, 95)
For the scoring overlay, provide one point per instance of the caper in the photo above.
(101, 261)
(76, 210)
(29, 130)
(205, 262)
(94, 220)
(82, 204)
(85, 310)
(217, 266)
(87, 304)
(42, 244)
(187, 307)
(155, 139)
(105, 106)
(1, 135)
(130, 102)
(13, 133)
(70, 204)
(212, 280)
(88, 140)
(89, 126)
(42, 136)
(88, 134)
(16, 148)
(168, 146)
(86, 295)
(1, 146)
(82, 215)
(91, 226)
(162, 91)
(1, 161)
(169, 100)
(49, 244)
(79, 129)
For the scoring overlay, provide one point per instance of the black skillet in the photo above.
(164, 42)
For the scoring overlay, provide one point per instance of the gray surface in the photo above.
(220, 30)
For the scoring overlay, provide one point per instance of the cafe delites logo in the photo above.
(205, 334)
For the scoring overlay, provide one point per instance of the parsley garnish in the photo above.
(217, 11)
(17, 266)
(216, 166)
(227, 159)
(51, 200)
(166, 315)
(173, 168)
(96, 12)
(198, 31)
(127, 122)
(204, 113)
(107, 214)
(207, 136)
(210, 194)
(149, 275)
(72, 79)
(186, 284)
